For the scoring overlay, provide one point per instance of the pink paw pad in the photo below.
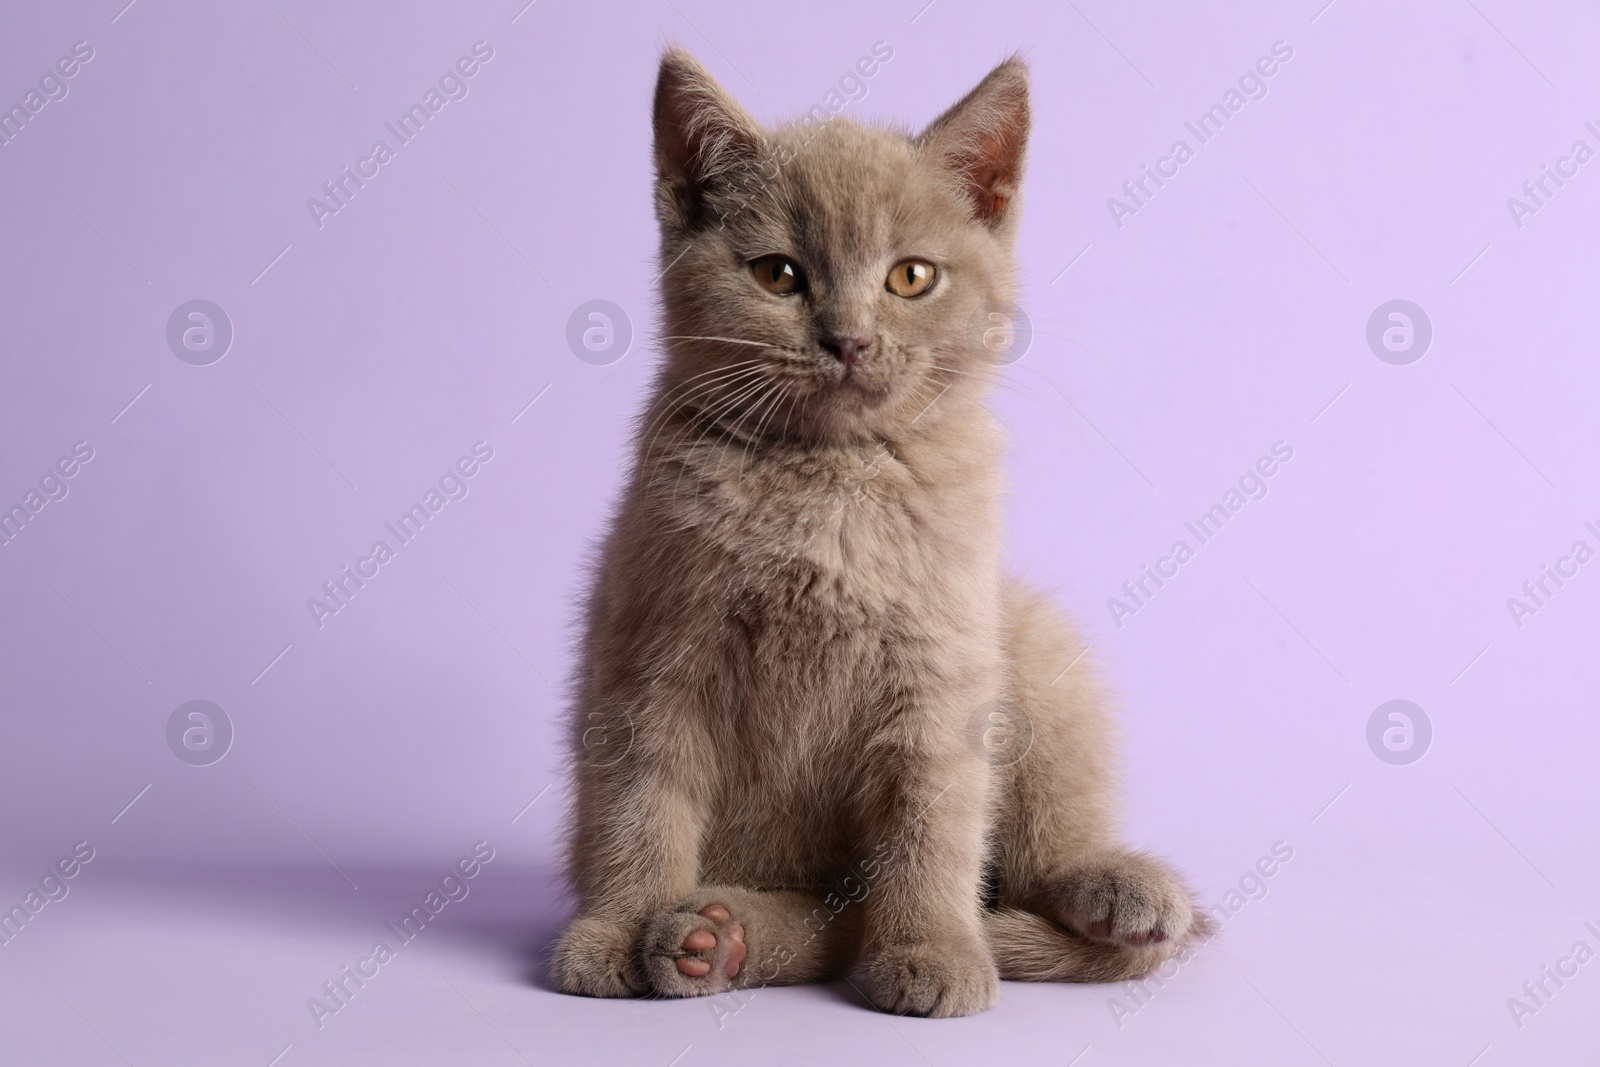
(705, 940)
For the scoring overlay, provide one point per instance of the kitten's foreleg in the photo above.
(925, 952)
(634, 850)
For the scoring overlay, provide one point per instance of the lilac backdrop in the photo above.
(1177, 338)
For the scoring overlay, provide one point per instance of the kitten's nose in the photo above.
(848, 350)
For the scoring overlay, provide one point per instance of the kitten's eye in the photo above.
(911, 277)
(777, 274)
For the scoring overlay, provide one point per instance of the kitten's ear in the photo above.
(704, 139)
(982, 138)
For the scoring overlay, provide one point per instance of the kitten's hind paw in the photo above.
(694, 953)
(1129, 899)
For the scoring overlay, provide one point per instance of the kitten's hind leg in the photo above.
(1108, 920)
(1099, 910)
(724, 937)
(1127, 899)
(1028, 947)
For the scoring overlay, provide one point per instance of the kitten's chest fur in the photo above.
(810, 533)
(812, 542)
(840, 580)
(803, 601)
(832, 572)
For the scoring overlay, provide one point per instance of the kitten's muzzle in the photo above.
(847, 350)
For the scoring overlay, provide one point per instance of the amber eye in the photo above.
(777, 274)
(911, 277)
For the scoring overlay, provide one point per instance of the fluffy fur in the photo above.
(817, 731)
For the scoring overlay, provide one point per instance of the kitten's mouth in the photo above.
(851, 380)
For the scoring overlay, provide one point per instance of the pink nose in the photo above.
(848, 350)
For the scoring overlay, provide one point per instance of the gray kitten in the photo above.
(818, 732)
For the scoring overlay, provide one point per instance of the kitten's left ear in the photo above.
(704, 140)
(982, 139)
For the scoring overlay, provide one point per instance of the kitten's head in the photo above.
(829, 281)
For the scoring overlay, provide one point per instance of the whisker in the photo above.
(742, 390)
(917, 393)
(676, 397)
(682, 393)
(696, 425)
(727, 340)
(707, 424)
(721, 369)
(670, 396)
(733, 404)
(999, 380)
(788, 410)
(779, 390)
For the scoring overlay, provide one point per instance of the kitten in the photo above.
(817, 731)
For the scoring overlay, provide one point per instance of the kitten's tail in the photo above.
(1031, 948)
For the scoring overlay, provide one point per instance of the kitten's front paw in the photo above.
(689, 953)
(939, 979)
(1127, 898)
(597, 958)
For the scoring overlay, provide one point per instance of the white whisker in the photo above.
(727, 340)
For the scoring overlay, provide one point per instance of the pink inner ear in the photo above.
(988, 176)
(696, 123)
(677, 136)
(981, 139)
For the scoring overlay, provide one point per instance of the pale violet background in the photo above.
(1229, 313)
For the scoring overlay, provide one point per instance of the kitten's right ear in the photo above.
(981, 140)
(704, 140)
